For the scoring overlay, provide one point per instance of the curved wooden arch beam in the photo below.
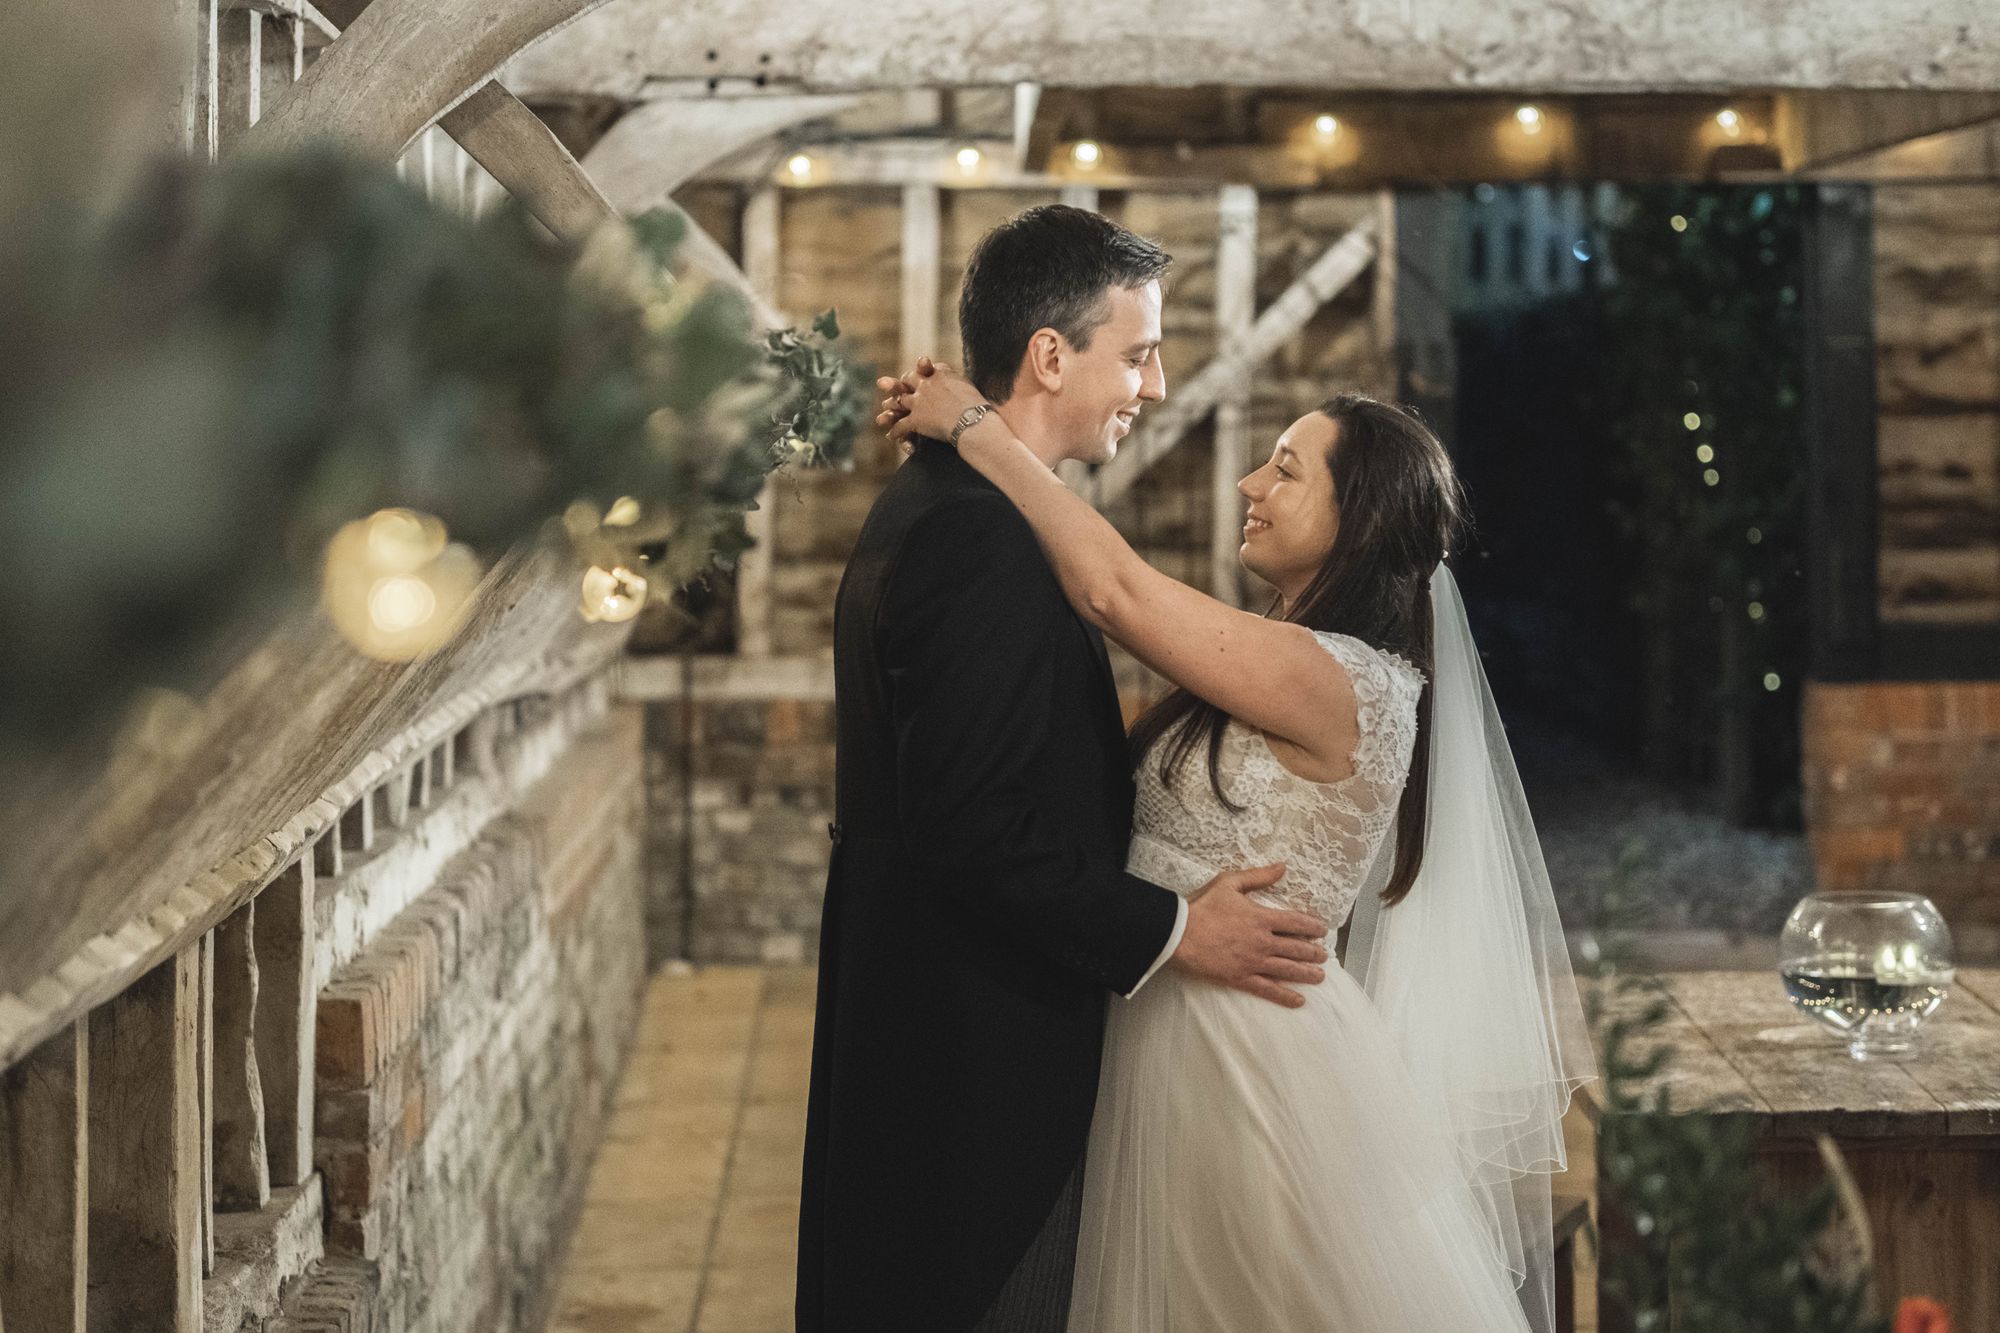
(653, 149)
(495, 127)
(400, 65)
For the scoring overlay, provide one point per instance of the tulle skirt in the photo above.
(1255, 1169)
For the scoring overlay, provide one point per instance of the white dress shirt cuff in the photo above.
(1173, 943)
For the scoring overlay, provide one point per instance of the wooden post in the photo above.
(204, 1047)
(207, 127)
(240, 72)
(754, 603)
(145, 1154)
(286, 995)
(1235, 312)
(242, 1175)
(45, 1185)
(357, 824)
(921, 227)
(326, 852)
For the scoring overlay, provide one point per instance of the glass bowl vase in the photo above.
(1869, 966)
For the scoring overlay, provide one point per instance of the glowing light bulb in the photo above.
(1771, 681)
(800, 168)
(1326, 128)
(1703, 453)
(400, 603)
(1087, 154)
(623, 513)
(613, 594)
(394, 587)
(968, 159)
(1754, 536)
(1677, 222)
(1529, 118)
(1731, 123)
(1711, 477)
(1692, 421)
(1756, 610)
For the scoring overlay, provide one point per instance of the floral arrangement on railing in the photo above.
(247, 384)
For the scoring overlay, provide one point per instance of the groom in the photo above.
(977, 909)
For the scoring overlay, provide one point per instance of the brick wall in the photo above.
(1903, 792)
(739, 791)
(465, 1056)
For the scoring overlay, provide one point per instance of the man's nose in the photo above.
(1153, 383)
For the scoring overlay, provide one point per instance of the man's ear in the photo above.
(1046, 359)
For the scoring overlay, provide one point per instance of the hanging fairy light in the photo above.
(1756, 610)
(1692, 421)
(612, 595)
(1087, 154)
(1529, 117)
(1703, 453)
(968, 158)
(1754, 536)
(1730, 121)
(394, 586)
(1771, 681)
(1677, 222)
(1711, 477)
(1326, 128)
(800, 168)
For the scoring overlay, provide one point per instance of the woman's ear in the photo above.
(1046, 354)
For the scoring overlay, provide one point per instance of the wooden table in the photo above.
(1922, 1135)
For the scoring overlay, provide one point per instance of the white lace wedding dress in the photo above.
(1256, 1169)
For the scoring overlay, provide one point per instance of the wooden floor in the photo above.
(691, 1220)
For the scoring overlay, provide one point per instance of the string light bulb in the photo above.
(1529, 117)
(800, 168)
(1326, 128)
(1087, 154)
(1730, 121)
(1692, 421)
(1677, 222)
(612, 595)
(1704, 453)
(968, 158)
(393, 585)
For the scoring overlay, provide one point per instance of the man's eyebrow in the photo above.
(1138, 347)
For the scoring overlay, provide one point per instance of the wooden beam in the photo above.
(1162, 428)
(45, 1185)
(145, 1154)
(1815, 131)
(242, 1172)
(1441, 46)
(284, 1025)
(1235, 313)
(657, 147)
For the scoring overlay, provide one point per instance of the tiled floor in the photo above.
(691, 1219)
(689, 1225)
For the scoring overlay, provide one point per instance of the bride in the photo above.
(1376, 1161)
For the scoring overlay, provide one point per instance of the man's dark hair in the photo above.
(1046, 268)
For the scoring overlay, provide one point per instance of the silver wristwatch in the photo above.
(967, 419)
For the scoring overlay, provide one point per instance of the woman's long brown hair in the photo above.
(1401, 509)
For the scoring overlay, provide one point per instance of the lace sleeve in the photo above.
(1386, 689)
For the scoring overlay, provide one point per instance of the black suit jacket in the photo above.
(977, 911)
